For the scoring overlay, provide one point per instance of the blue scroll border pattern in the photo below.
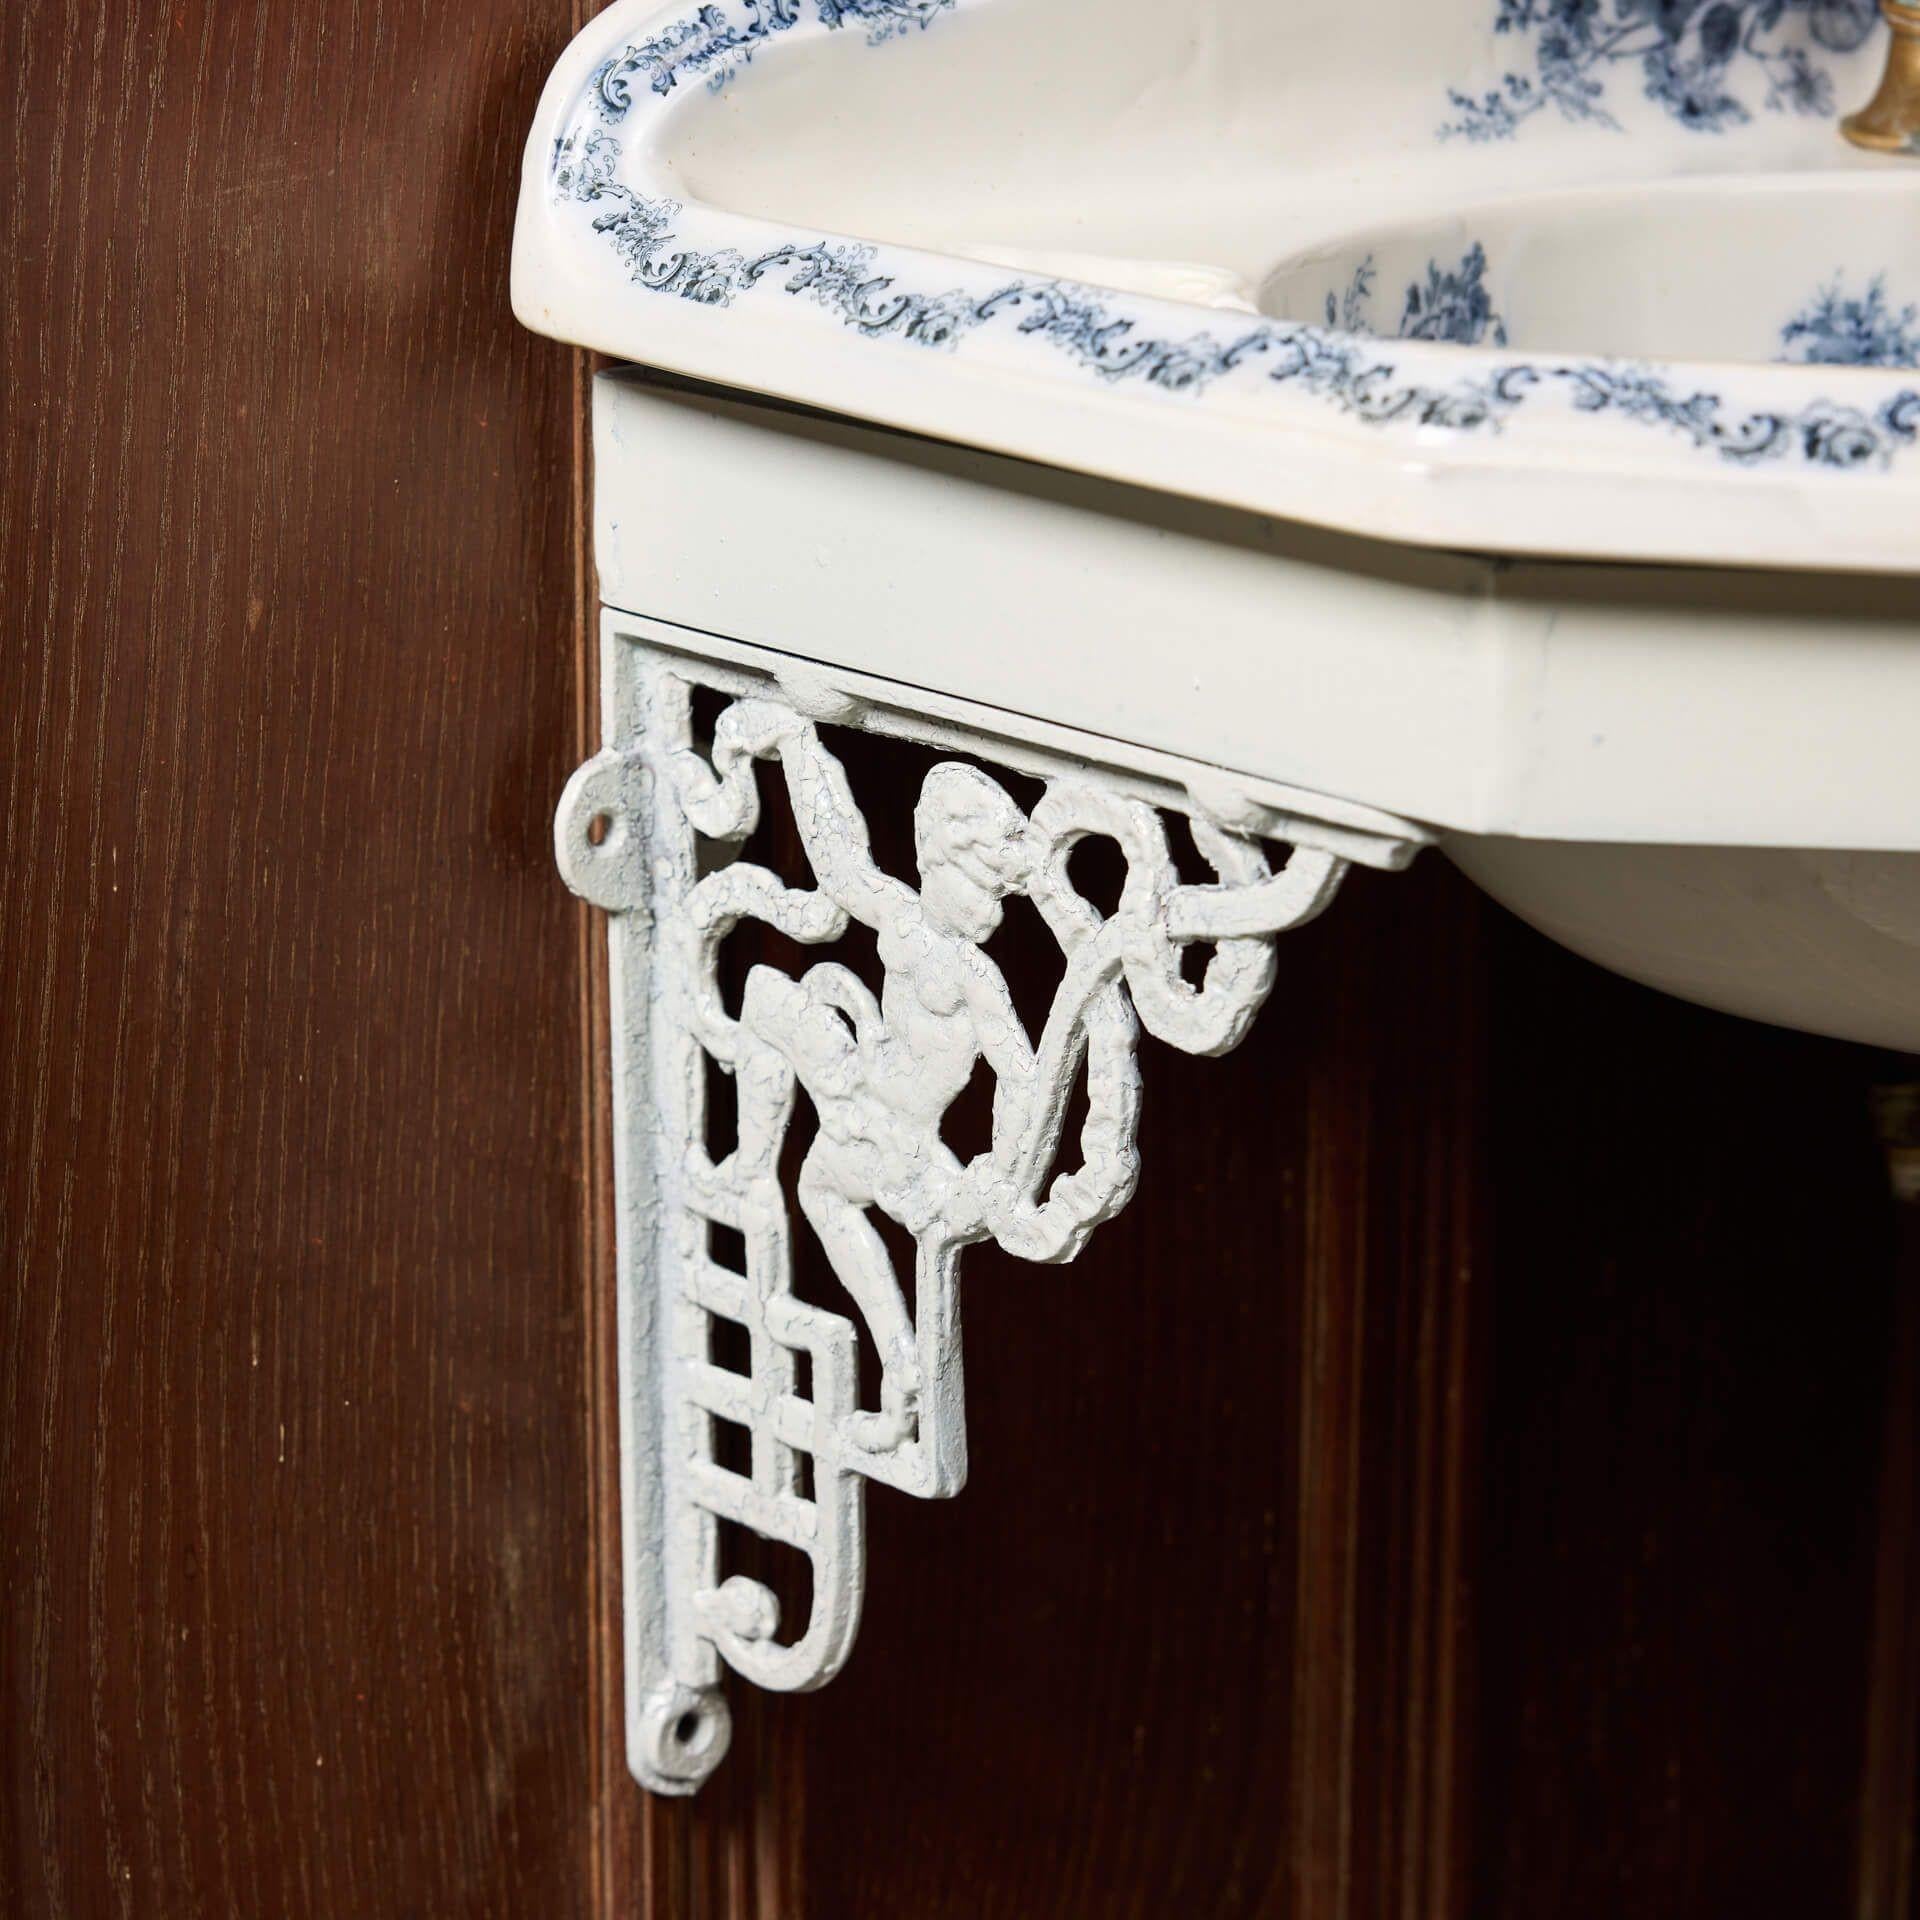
(1091, 329)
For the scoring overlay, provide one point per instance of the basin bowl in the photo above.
(1823, 940)
(1797, 269)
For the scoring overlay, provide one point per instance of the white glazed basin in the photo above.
(1400, 271)
(1014, 223)
(1826, 941)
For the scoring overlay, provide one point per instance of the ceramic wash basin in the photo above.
(1034, 224)
(1532, 283)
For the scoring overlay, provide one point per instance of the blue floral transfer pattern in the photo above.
(1706, 63)
(1341, 368)
(1838, 329)
(1451, 305)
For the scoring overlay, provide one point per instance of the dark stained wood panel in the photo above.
(1884, 1887)
(292, 1378)
(1686, 1414)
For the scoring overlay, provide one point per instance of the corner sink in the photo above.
(1560, 363)
(816, 199)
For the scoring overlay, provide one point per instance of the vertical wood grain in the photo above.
(293, 1431)
(1885, 1885)
(1684, 1432)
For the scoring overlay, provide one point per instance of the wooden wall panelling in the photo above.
(296, 1534)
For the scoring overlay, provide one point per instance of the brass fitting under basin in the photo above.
(1890, 121)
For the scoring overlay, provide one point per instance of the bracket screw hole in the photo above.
(598, 828)
(681, 1736)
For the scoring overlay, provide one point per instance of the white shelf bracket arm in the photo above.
(650, 830)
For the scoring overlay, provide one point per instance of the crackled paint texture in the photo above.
(879, 1073)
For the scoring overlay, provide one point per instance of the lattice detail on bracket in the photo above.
(650, 830)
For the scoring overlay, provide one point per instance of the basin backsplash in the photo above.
(1707, 68)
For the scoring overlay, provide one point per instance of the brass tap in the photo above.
(1890, 121)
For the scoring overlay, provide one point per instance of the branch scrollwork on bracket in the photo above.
(637, 833)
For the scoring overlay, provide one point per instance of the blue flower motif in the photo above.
(1692, 91)
(1454, 306)
(1839, 437)
(1180, 368)
(1719, 34)
(1839, 25)
(1451, 304)
(1838, 329)
(1690, 54)
(1350, 316)
(1796, 85)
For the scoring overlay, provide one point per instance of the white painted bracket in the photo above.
(650, 830)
